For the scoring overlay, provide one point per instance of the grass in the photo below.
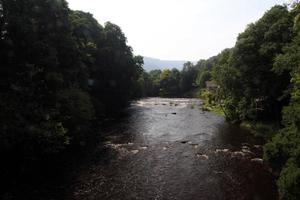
(213, 108)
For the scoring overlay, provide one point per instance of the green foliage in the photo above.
(35, 65)
(77, 111)
(116, 75)
(188, 76)
(259, 81)
(169, 82)
(60, 69)
(289, 182)
(283, 151)
(116, 72)
(48, 138)
(250, 88)
(154, 76)
(202, 77)
(265, 130)
(164, 83)
(207, 96)
(209, 102)
(206, 65)
(281, 148)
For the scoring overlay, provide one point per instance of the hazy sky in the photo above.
(178, 29)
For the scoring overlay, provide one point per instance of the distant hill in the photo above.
(154, 63)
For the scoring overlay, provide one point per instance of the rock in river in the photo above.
(257, 160)
(135, 151)
(202, 156)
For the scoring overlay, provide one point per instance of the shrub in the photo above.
(289, 182)
(77, 111)
(281, 147)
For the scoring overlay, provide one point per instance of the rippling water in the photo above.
(170, 149)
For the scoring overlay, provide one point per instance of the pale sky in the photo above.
(178, 29)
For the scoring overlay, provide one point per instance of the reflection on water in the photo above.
(171, 149)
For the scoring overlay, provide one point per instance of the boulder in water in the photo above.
(257, 160)
(258, 147)
(202, 156)
(135, 151)
(247, 151)
(246, 144)
(222, 151)
(238, 154)
(184, 141)
(245, 147)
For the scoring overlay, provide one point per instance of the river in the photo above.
(169, 149)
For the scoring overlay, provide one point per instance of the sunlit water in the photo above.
(171, 149)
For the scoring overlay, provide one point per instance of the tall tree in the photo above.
(283, 152)
(260, 94)
(188, 76)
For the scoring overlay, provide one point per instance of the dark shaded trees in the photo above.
(283, 152)
(113, 72)
(59, 70)
(154, 76)
(170, 83)
(117, 72)
(188, 76)
(37, 64)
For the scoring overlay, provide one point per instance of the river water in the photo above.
(169, 149)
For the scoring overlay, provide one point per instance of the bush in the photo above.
(281, 147)
(289, 182)
(265, 130)
(49, 138)
(283, 152)
(77, 111)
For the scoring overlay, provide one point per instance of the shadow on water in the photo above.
(232, 135)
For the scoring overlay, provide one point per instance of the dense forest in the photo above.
(62, 73)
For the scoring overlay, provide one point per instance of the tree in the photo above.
(154, 76)
(116, 71)
(202, 77)
(115, 75)
(260, 91)
(188, 76)
(283, 151)
(56, 69)
(229, 93)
